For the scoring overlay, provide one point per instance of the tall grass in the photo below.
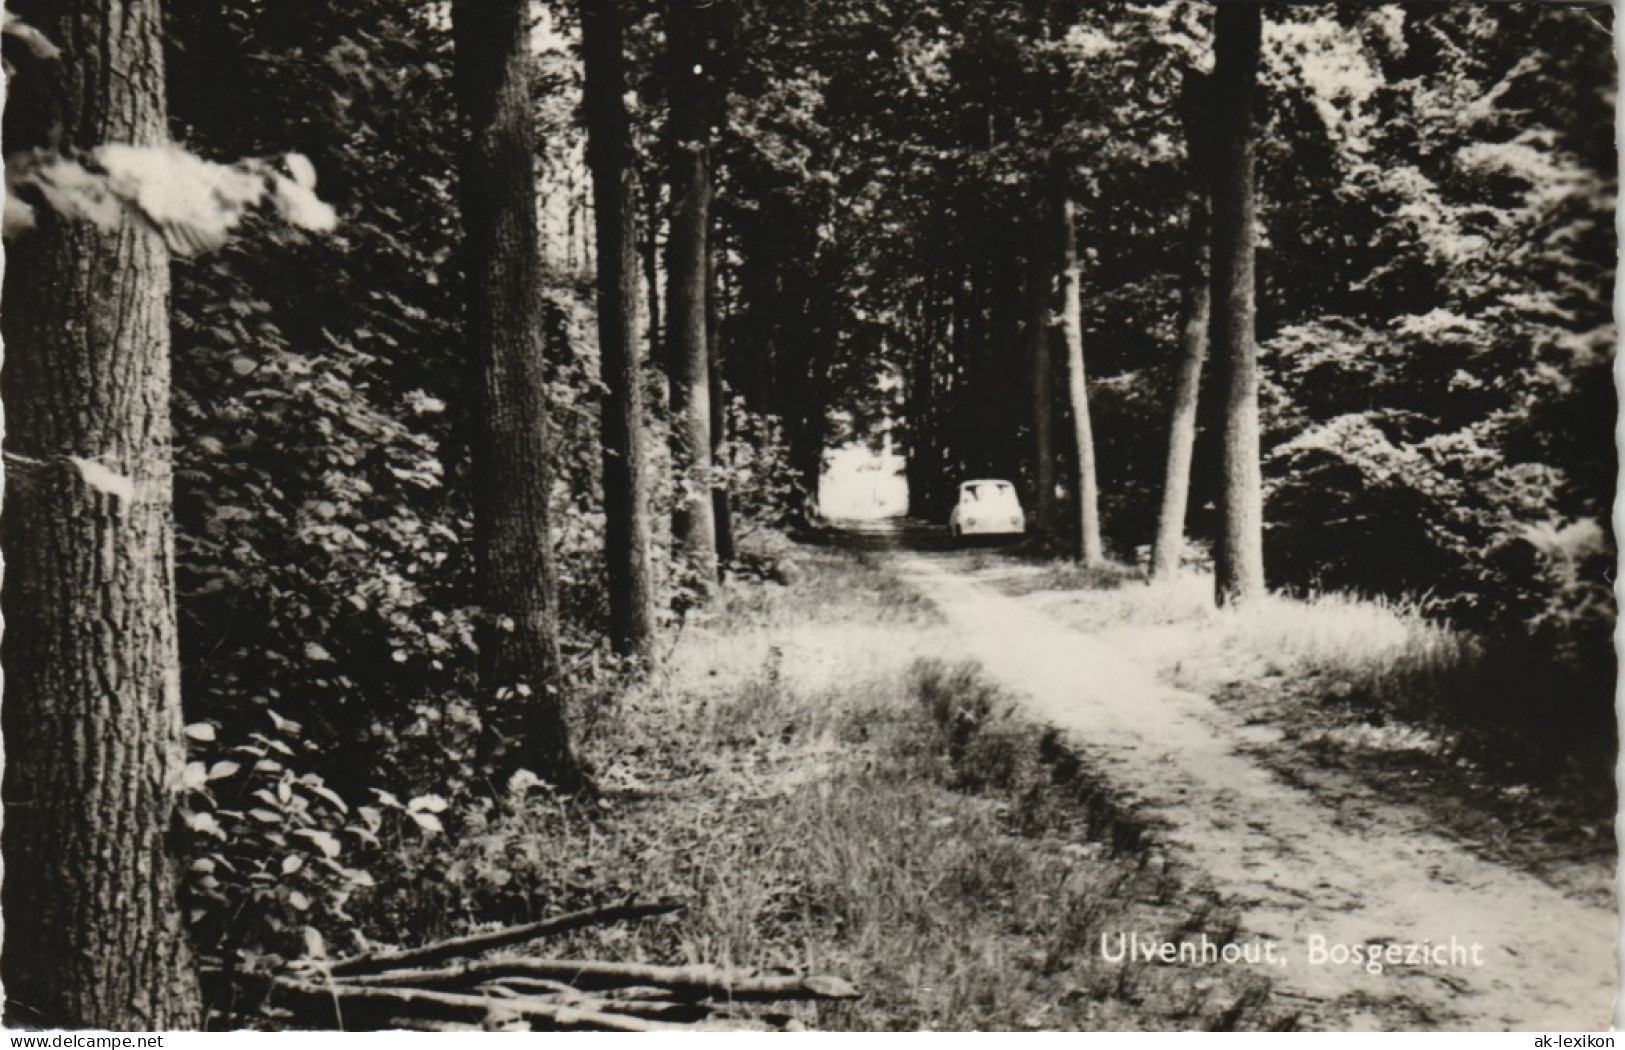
(1370, 648)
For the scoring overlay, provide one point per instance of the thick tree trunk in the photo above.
(687, 274)
(1089, 549)
(1239, 554)
(1195, 316)
(1042, 405)
(626, 505)
(92, 716)
(513, 550)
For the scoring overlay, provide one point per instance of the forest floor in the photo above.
(963, 780)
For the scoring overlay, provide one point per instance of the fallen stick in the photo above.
(688, 982)
(437, 1006)
(507, 937)
(532, 986)
(650, 1008)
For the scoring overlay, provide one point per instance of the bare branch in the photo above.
(687, 982)
(507, 937)
(430, 1008)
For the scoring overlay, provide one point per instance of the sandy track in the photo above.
(1293, 866)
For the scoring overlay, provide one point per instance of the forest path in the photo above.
(1295, 865)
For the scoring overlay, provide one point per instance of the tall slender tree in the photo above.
(92, 714)
(524, 716)
(1194, 318)
(688, 274)
(626, 504)
(721, 505)
(1089, 549)
(1239, 553)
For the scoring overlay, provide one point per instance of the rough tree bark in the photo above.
(626, 504)
(1238, 558)
(522, 710)
(92, 715)
(1194, 318)
(1038, 288)
(1088, 547)
(687, 276)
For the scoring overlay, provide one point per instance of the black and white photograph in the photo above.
(808, 515)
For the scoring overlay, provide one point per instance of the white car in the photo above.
(987, 507)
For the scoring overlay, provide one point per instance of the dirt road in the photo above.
(1305, 877)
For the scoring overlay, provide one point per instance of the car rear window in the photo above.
(988, 490)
